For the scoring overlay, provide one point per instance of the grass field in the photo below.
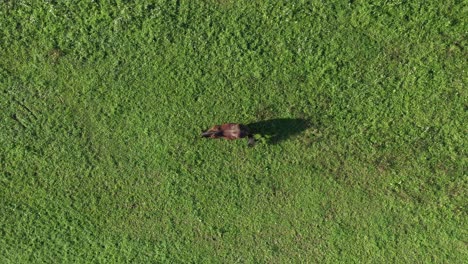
(361, 112)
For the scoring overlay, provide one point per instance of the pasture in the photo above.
(360, 109)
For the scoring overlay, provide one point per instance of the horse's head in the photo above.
(213, 132)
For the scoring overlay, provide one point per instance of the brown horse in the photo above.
(230, 131)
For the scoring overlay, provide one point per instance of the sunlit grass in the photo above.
(103, 102)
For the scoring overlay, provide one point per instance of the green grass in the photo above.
(102, 103)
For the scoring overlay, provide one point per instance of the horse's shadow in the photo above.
(278, 129)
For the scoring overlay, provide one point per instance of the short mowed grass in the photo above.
(102, 104)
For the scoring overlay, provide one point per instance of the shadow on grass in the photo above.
(279, 129)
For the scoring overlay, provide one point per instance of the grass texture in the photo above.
(102, 103)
